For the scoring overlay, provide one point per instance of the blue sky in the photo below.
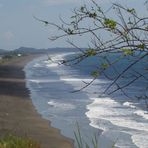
(19, 28)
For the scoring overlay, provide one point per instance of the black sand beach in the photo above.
(17, 113)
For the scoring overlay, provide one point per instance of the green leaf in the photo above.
(110, 23)
(95, 73)
(127, 51)
(146, 28)
(93, 15)
(130, 23)
(104, 65)
(141, 46)
(131, 10)
(91, 52)
(69, 31)
(82, 9)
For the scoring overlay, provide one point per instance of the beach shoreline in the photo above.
(17, 114)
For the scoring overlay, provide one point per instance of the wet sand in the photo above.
(17, 113)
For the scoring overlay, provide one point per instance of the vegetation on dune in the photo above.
(8, 56)
(11, 141)
(80, 142)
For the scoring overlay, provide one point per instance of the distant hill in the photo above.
(27, 50)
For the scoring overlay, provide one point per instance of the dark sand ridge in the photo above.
(17, 114)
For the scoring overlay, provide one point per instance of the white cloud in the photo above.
(8, 35)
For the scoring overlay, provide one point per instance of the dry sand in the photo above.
(17, 113)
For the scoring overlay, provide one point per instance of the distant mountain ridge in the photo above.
(25, 50)
(30, 50)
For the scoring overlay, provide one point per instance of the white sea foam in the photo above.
(75, 79)
(34, 80)
(117, 118)
(52, 65)
(141, 140)
(37, 65)
(55, 60)
(63, 106)
(43, 80)
(129, 104)
(142, 113)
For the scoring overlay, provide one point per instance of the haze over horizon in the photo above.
(18, 27)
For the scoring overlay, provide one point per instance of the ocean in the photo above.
(114, 118)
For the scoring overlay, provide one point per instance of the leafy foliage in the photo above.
(104, 65)
(127, 51)
(91, 52)
(125, 34)
(95, 74)
(110, 23)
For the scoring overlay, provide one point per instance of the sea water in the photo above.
(114, 118)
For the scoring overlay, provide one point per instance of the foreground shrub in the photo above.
(11, 141)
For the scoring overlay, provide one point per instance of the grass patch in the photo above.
(11, 141)
(81, 143)
(93, 141)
